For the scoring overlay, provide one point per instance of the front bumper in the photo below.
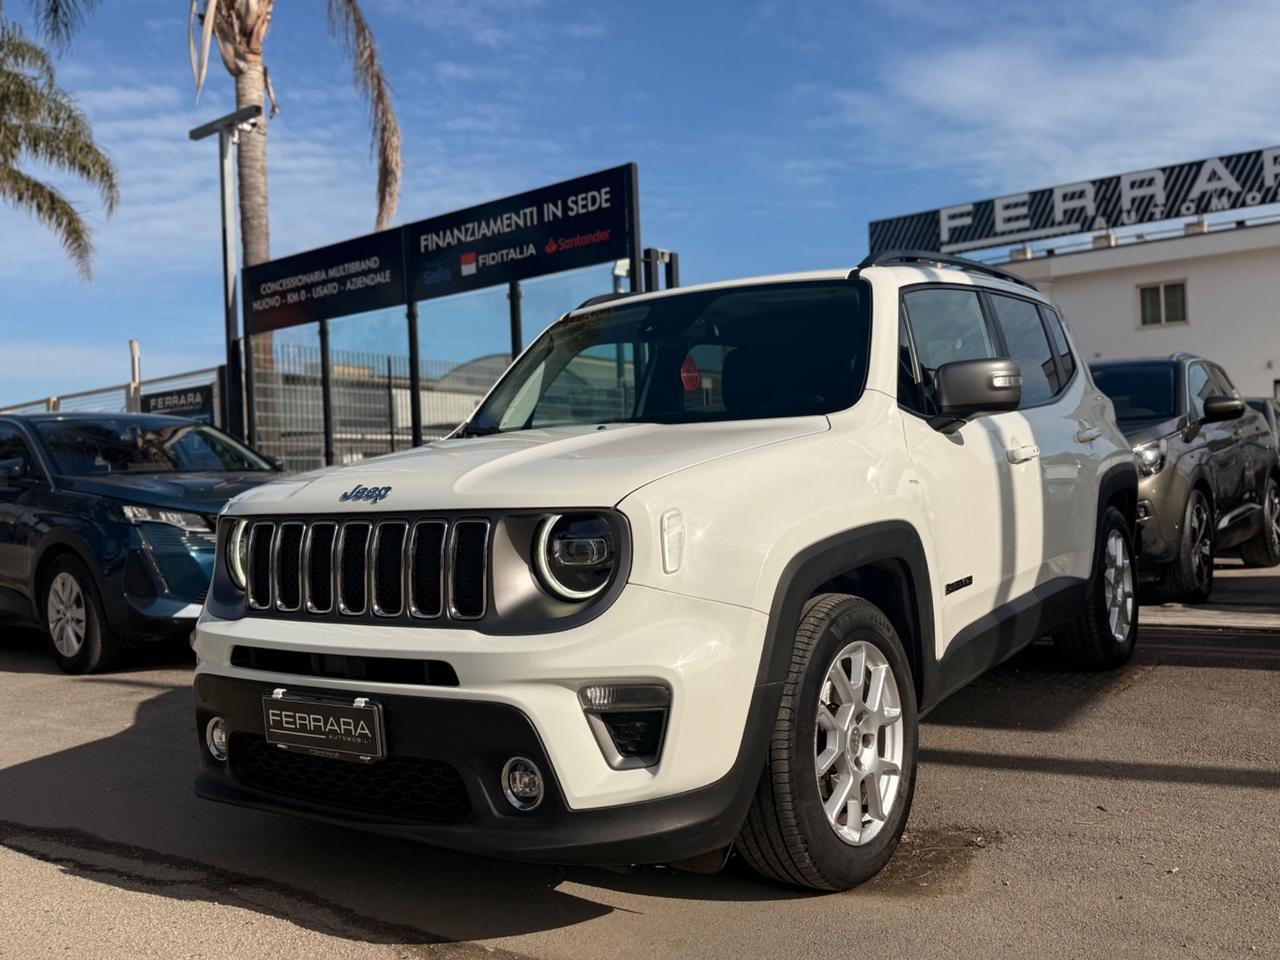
(156, 584)
(466, 743)
(516, 696)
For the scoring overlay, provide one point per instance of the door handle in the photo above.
(1022, 454)
(1088, 434)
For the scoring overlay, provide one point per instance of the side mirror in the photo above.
(275, 462)
(1218, 409)
(14, 472)
(970, 388)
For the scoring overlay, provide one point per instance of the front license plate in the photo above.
(339, 729)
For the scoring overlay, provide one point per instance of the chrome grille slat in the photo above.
(261, 554)
(386, 603)
(468, 586)
(347, 577)
(286, 565)
(426, 550)
(397, 568)
(317, 567)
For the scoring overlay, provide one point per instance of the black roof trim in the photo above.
(888, 258)
(604, 298)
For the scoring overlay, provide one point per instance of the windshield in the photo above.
(92, 448)
(769, 350)
(1140, 391)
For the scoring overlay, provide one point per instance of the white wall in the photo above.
(1233, 300)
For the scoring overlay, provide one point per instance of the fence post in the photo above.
(391, 405)
(326, 393)
(415, 377)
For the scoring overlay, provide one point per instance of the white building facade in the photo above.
(1214, 293)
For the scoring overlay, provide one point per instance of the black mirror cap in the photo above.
(970, 388)
(1218, 409)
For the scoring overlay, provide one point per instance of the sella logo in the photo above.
(366, 494)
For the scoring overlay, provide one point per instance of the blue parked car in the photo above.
(107, 526)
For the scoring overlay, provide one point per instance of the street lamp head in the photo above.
(232, 121)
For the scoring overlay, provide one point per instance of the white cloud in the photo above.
(1061, 94)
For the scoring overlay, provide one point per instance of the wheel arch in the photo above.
(883, 563)
(58, 546)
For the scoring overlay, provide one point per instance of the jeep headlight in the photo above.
(238, 553)
(574, 555)
(1152, 456)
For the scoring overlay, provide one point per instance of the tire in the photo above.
(1189, 579)
(79, 637)
(787, 836)
(1263, 549)
(1102, 636)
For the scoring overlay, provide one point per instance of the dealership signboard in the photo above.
(1229, 182)
(193, 402)
(576, 223)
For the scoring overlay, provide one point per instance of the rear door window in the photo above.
(1028, 343)
(1066, 360)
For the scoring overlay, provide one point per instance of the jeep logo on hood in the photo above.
(367, 494)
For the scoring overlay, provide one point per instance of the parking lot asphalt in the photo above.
(1130, 814)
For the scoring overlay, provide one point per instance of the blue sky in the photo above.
(768, 134)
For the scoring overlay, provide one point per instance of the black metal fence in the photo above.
(372, 399)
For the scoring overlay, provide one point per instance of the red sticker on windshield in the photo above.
(690, 375)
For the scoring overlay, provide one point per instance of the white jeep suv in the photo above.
(687, 579)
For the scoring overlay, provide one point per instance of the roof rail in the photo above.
(886, 258)
(604, 298)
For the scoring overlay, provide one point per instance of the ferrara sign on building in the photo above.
(1162, 193)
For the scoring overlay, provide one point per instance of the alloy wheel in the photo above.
(66, 614)
(858, 743)
(1201, 541)
(1117, 586)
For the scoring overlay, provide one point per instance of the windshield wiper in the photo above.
(469, 431)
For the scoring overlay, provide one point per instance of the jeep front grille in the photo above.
(385, 569)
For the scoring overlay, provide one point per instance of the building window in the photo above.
(1162, 303)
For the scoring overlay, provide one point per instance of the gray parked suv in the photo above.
(1209, 477)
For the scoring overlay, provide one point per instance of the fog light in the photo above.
(215, 736)
(629, 721)
(522, 783)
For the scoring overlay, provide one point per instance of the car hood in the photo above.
(560, 467)
(1144, 431)
(203, 493)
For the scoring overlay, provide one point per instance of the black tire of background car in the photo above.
(101, 649)
(786, 837)
(1179, 583)
(1263, 549)
(1086, 641)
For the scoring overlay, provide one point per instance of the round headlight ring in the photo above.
(542, 561)
(237, 553)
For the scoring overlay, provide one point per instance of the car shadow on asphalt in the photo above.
(26, 650)
(120, 810)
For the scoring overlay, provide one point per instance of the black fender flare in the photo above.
(841, 553)
(1120, 478)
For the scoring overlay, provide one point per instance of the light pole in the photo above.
(228, 130)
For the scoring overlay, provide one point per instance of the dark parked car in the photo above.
(106, 526)
(1209, 479)
(1270, 409)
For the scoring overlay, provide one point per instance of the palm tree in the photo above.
(240, 28)
(39, 122)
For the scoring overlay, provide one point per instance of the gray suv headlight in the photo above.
(1152, 456)
(574, 555)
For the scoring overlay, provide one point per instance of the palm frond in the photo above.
(53, 210)
(68, 150)
(347, 22)
(59, 19)
(17, 52)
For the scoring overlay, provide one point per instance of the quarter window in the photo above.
(1066, 359)
(946, 325)
(1025, 336)
(1161, 304)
